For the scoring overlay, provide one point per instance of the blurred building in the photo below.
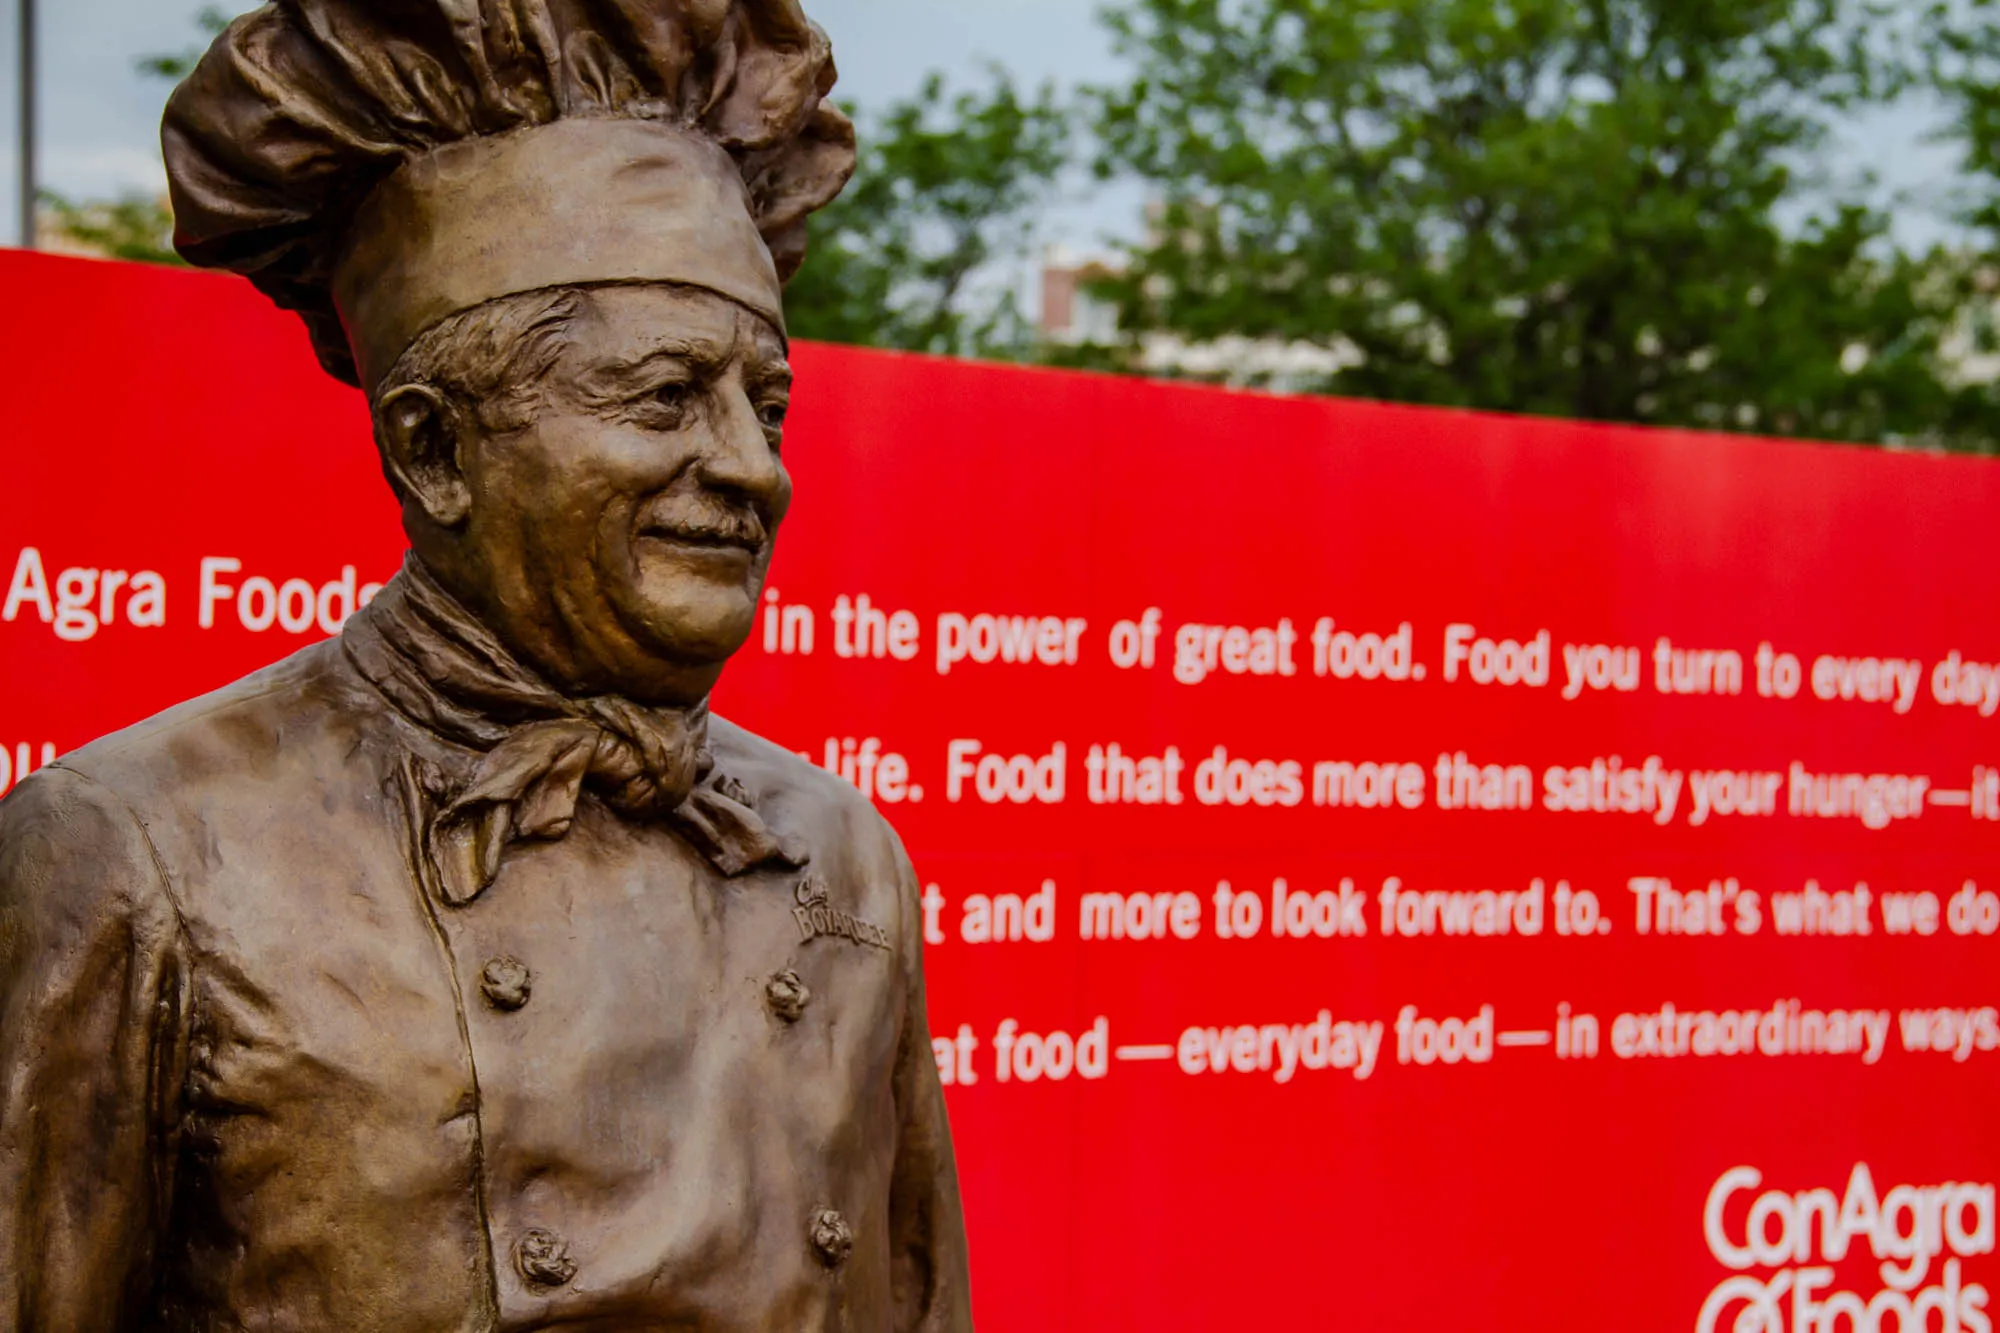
(1073, 316)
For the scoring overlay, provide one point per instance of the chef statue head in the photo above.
(548, 239)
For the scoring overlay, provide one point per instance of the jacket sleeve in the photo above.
(93, 1012)
(932, 1290)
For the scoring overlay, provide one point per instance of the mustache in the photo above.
(705, 520)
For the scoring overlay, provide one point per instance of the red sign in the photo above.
(1389, 869)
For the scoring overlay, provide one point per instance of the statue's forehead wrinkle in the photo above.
(642, 323)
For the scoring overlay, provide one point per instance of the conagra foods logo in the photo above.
(1783, 1249)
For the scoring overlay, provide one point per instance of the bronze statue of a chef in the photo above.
(462, 973)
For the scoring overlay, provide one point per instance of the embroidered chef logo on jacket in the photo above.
(817, 918)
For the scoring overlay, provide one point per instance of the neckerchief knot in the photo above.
(538, 749)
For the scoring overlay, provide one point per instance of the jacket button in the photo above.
(832, 1238)
(506, 983)
(788, 995)
(543, 1259)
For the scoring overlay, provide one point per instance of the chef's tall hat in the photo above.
(379, 166)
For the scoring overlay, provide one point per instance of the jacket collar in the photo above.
(536, 750)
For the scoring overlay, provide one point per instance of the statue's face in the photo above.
(622, 536)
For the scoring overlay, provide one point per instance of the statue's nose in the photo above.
(738, 457)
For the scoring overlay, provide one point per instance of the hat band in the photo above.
(573, 203)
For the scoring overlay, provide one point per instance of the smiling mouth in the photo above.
(705, 538)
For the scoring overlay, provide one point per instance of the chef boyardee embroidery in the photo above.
(817, 918)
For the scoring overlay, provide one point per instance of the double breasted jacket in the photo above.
(254, 1075)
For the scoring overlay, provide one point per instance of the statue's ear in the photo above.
(418, 432)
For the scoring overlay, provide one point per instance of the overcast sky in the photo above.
(100, 119)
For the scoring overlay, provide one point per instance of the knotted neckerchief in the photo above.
(538, 748)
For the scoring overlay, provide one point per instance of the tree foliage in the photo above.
(1962, 41)
(1570, 207)
(132, 228)
(946, 189)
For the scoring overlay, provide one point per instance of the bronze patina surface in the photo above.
(463, 973)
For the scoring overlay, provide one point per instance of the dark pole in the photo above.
(30, 189)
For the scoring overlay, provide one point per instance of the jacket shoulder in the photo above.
(75, 864)
(271, 725)
(797, 794)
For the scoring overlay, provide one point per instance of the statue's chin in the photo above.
(677, 652)
(696, 607)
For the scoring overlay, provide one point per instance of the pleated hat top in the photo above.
(378, 166)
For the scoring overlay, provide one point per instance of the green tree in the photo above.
(1565, 207)
(1962, 43)
(947, 189)
(134, 227)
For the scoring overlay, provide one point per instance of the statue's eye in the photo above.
(773, 412)
(675, 398)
